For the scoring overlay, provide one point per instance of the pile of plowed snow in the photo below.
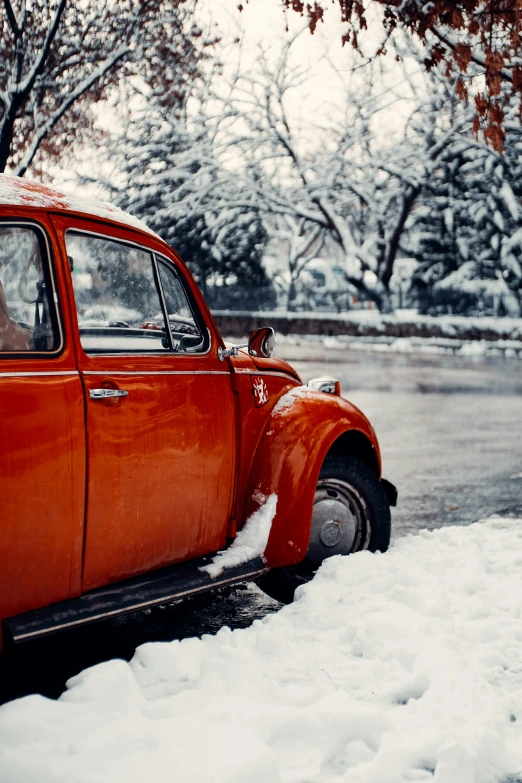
(398, 667)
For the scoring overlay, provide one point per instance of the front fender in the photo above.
(298, 434)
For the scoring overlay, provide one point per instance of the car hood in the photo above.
(262, 364)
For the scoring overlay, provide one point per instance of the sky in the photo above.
(262, 24)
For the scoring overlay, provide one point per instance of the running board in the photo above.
(158, 587)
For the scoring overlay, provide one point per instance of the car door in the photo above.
(42, 429)
(162, 447)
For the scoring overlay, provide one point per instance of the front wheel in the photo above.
(351, 513)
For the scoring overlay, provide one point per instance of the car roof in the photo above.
(21, 192)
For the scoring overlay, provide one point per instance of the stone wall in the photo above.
(239, 324)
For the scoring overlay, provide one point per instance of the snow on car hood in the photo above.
(405, 666)
(285, 403)
(17, 191)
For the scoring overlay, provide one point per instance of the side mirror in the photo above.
(261, 342)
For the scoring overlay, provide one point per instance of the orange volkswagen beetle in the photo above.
(134, 445)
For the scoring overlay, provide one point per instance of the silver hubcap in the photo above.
(340, 521)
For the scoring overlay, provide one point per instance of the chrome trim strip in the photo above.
(189, 372)
(282, 374)
(155, 372)
(155, 602)
(34, 374)
(142, 372)
(110, 237)
(183, 281)
(159, 286)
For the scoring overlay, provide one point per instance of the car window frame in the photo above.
(156, 258)
(48, 264)
(197, 315)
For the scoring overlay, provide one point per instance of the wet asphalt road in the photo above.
(450, 428)
(450, 434)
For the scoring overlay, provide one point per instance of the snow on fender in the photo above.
(249, 543)
(303, 425)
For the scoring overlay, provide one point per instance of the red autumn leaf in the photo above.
(458, 32)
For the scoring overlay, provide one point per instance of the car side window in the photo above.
(187, 334)
(28, 318)
(122, 296)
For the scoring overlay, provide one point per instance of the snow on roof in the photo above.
(26, 193)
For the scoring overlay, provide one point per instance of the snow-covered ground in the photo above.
(398, 667)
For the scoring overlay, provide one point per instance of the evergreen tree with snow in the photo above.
(171, 179)
(468, 232)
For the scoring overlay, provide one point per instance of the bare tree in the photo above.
(333, 184)
(336, 177)
(301, 245)
(60, 57)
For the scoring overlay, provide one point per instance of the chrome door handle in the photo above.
(103, 394)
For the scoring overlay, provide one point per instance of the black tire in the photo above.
(351, 493)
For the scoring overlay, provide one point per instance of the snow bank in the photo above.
(388, 668)
(250, 542)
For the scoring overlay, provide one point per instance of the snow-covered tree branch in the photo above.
(342, 180)
(245, 170)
